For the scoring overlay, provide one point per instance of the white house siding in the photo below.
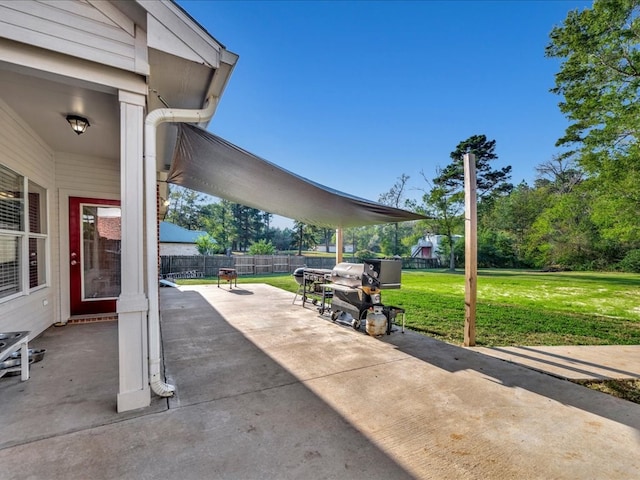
(98, 33)
(24, 152)
(167, 249)
(88, 174)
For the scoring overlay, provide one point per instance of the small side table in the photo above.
(11, 342)
(229, 275)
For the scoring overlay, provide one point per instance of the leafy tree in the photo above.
(564, 235)
(495, 250)
(207, 245)
(444, 202)
(266, 219)
(599, 81)
(559, 175)
(394, 198)
(631, 262)
(306, 236)
(262, 247)
(445, 205)
(514, 216)
(454, 249)
(326, 234)
(218, 221)
(248, 223)
(488, 182)
(281, 239)
(184, 208)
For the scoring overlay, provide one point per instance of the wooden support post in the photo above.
(339, 245)
(471, 249)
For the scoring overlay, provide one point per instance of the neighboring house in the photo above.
(429, 246)
(176, 240)
(91, 96)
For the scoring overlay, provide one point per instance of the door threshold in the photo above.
(93, 318)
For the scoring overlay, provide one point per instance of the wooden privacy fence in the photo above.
(196, 266)
(173, 265)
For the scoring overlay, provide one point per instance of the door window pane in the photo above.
(100, 252)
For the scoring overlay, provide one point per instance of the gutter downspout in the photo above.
(155, 118)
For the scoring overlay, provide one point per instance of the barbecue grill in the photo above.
(352, 292)
(310, 281)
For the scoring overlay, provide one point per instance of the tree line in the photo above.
(581, 212)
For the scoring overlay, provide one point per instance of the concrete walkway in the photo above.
(603, 362)
(268, 389)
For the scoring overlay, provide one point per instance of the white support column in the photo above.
(132, 304)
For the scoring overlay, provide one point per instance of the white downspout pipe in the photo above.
(151, 123)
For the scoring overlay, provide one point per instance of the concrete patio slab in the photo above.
(574, 362)
(271, 390)
(73, 388)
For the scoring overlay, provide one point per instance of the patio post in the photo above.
(132, 305)
(471, 249)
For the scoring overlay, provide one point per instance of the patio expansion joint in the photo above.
(72, 431)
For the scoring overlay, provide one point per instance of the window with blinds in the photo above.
(23, 234)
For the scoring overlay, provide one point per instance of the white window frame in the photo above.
(24, 236)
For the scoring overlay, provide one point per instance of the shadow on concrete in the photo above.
(567, 367)
(453, 358)
(237, 414)
(265, 419)
(308, 400)
(73, 388)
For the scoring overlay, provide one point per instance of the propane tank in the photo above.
(376, 324)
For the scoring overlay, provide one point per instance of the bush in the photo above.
(362, 255)
(262, 247)
(207, 245)
(631, 262)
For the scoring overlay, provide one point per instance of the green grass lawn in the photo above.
(514, 307)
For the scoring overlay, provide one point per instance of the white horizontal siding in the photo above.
(167, 249)
(72, 27)
(24, 152)
(87, 174)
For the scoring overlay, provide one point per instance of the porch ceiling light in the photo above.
(78, 124)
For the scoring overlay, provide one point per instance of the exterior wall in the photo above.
(80, 176)
(24, 152)
(98, 32)
(168, 249)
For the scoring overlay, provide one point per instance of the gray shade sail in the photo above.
(209, 164)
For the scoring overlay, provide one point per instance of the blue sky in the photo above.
(352, 94)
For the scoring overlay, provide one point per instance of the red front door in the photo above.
(94, 254)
